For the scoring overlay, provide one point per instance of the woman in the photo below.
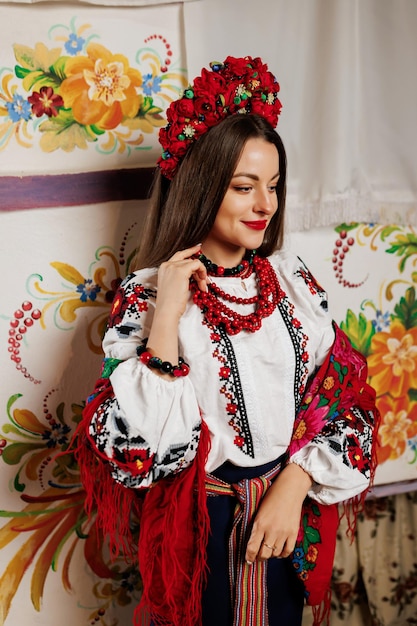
(226, 386)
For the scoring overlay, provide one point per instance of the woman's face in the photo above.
(248, 205)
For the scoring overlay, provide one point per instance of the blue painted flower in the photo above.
(57, 435)
(74, 44)
(382, 321)
(19, 109)
(413, 444)
(88, 290)
(151, 84)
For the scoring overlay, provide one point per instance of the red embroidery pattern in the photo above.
(231, 388)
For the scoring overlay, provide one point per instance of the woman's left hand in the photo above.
(277, 520)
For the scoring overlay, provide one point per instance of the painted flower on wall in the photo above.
(398, 426)
(101, 88)
(53, 519)
(94, 291)
(388, 338)
(84, 93)
(393, 360)
(46, 102)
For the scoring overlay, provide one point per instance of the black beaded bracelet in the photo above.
(182, 369)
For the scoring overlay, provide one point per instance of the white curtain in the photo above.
(347, 70)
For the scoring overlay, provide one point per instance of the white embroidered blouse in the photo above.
(247, 387)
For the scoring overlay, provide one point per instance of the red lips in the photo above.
(258, 225)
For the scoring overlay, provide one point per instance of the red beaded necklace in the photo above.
(218, 313)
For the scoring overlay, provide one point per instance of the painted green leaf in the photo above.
(387, 231)
(21, 72)
(59, 67)
(360, 331)
(14, 453)
(346, 227)
(96, 130)
(11, 401)
(412, 394)
(404, 246)
(47, 80)
(406, 309)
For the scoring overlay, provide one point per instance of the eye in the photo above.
(242, 188)
(272, 188)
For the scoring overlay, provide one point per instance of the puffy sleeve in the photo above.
(147, 427)
(335, 430)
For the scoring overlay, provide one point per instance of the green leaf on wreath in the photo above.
(406, 309)
(360, 331)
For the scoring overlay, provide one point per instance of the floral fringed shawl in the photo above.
(173, 513)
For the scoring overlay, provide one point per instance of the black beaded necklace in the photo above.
(219, 270)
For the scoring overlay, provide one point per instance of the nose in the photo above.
(266, 201)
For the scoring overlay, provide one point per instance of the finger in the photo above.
(201, 278)
(187, 253)
(266, 551)
(253, 548)
(286, 550)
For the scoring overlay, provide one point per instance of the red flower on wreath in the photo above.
(239, 85)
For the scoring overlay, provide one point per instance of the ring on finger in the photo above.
(268, 546)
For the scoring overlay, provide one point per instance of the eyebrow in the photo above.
(252, 176)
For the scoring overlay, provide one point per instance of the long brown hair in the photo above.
(183, 211)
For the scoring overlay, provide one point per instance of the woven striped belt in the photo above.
(247, 582)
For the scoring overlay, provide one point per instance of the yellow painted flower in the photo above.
(101, 88)
(398, 425)
(393, 360)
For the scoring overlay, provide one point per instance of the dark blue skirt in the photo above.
(285, 599)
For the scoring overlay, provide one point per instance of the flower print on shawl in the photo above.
(339, 407)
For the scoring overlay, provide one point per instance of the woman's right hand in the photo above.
(172, 297)
(174, 278)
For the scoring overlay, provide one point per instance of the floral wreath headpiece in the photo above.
(239, 85)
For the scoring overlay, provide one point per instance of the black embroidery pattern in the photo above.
(132, 459)
(299, 341)
(128, 304)
(312, 284)
(350, 437)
